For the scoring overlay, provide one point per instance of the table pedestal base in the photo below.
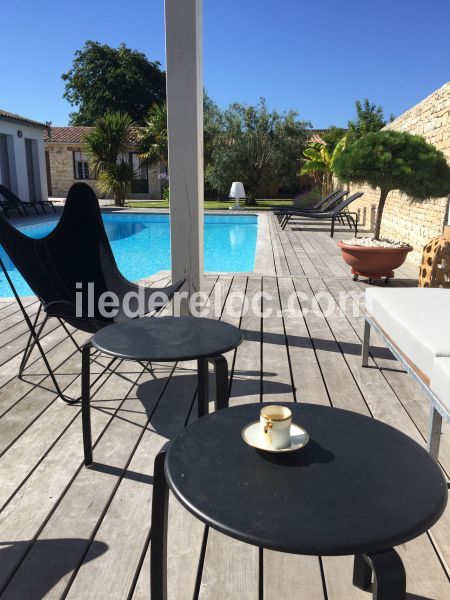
(221, 384)
(387, 571)
(220, 398)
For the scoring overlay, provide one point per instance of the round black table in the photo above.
(164, 339)
(359, 487)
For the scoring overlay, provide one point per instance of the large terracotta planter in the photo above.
(373, 263)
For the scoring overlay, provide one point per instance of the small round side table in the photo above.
(359, 487)
(164, 339)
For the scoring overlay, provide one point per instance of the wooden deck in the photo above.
(71, 532)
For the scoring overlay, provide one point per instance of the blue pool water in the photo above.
(141, 245)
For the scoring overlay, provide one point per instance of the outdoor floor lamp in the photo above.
(237, 191)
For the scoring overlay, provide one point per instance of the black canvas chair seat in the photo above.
(77, 253)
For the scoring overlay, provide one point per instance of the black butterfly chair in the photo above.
(76, 253)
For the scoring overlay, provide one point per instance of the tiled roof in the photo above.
(8, 116)
(74, 135)
(315, 138)
(315, 135)
(66, 135)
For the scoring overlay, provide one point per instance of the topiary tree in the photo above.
(394, 160)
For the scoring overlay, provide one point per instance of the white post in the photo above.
(185, 131)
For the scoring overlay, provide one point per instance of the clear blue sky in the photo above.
(316, 57)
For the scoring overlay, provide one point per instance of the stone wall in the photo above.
(62, 174)
(403, 218)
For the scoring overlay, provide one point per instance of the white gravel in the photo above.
(371, 243)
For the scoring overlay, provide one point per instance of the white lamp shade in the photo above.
(237, 190)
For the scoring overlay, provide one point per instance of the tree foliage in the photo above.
(152, 136)
(369, 119)
(332, 136)
(153, 139)
(394, 160)
(256, 146)
(104, 79)
(319, 159)
(106, 146)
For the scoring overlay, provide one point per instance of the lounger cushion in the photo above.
(440, 380)
(417, 320)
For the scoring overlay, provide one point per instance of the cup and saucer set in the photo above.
(275, 431)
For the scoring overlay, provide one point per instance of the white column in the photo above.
(185, 131)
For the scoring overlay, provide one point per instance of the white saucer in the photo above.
(251, 434)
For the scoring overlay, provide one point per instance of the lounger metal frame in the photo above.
(437, 410)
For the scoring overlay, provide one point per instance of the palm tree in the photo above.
(106, 146)
(153, 136)
(318, 159)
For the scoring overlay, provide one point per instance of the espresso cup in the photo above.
(275, 424)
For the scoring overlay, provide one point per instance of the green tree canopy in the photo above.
(106, 79)
(153, 138)
(369, 119)
(106, 146)
(332, 136)
(255, 146)
(394, 160)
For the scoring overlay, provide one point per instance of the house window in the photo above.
(139, 185)
(5, 166)
(80, 165)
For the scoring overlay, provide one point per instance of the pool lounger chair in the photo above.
(8, 205)
(339, 212)
(320, 206)
(74, 254)
(16, 202)
(332, 201)
(418, 342)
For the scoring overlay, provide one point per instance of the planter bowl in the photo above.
(374, 263)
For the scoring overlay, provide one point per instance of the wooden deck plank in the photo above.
(185, 533)
(131, 504)
(281, 266)
(47, 484)
(294, 264)
(303, 246)
(230, 567)
(339, 382)
(276, 373)
(281, 571)
(306, 373)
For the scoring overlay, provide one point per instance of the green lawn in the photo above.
(214, 204)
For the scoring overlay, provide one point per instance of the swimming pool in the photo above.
(141, 245)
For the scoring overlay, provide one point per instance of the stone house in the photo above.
(22, 158)
(67, 163)
(404, 218)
